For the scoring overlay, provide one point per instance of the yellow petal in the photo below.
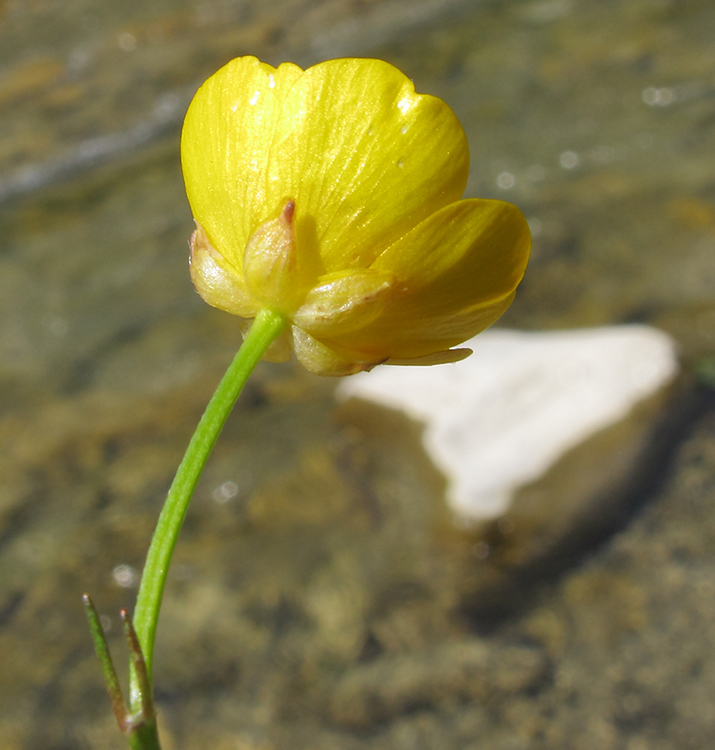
(218, 283)
(437, 358)
(225, 147)
(365, 157)
(457, 273)
(344, 301)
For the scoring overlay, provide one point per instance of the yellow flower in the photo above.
(331, 196)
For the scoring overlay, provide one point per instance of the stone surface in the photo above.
(630, 632)
(503, 417)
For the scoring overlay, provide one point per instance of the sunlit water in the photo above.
(321, 596)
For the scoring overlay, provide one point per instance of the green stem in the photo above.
(265, 329)
(144, 737)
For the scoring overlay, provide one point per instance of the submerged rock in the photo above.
(503, 417)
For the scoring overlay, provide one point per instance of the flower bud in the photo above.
(374, 257)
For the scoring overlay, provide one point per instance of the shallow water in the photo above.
(321, 596)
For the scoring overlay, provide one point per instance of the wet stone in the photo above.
(451, 674)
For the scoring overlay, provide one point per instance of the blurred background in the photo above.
(321, 595)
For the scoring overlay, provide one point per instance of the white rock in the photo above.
(502, 417)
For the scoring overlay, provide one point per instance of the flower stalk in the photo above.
(266, 328)
(329, 219)
(138, 721)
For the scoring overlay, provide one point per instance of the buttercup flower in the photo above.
(332, 196)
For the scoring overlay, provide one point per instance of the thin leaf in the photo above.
(105, 660)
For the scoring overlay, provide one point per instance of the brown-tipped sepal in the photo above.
(270, 262)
